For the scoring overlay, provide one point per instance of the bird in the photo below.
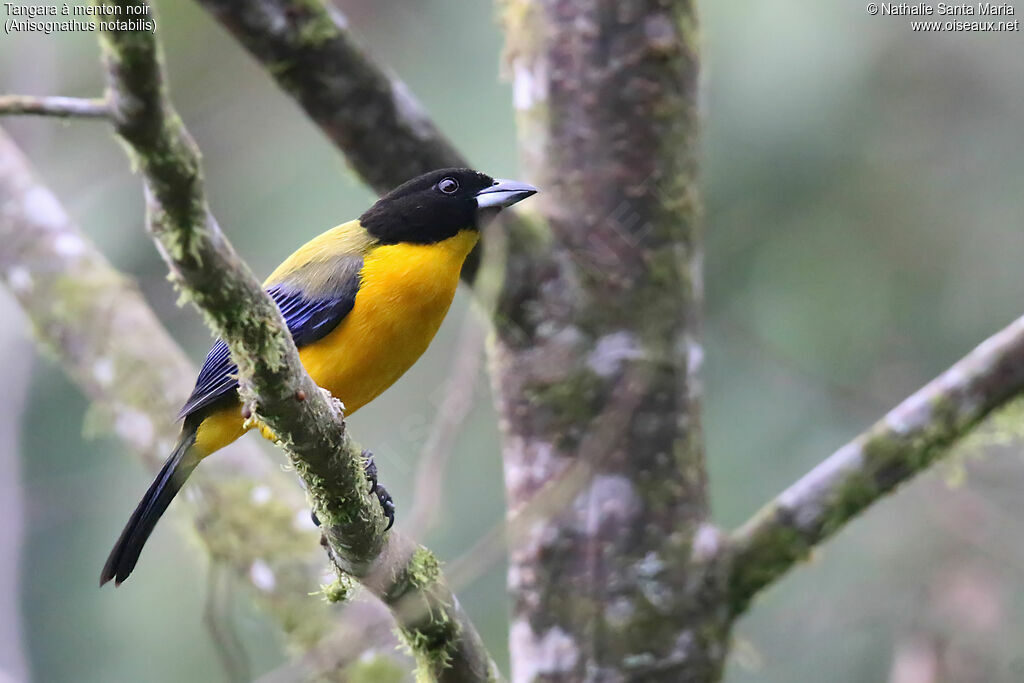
(362, 302)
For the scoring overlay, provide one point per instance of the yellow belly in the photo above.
(405, 292)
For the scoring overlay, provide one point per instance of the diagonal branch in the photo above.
(53, 105)
(906, 441)
(77, 304)
(369, 114)
(250, 516)
(210, 273)
(383, 130)
(273, 383)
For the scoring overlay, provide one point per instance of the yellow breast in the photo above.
(404, 294)
(405, 291)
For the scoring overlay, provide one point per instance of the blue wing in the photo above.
(308, 320)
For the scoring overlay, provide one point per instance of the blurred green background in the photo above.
(863, 191)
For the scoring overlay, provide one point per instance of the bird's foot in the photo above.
(387, 504)
(370, 470)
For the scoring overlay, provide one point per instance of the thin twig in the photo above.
(311, 429)
(53, 105)
(906, 441)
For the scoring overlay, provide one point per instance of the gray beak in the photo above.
(503, 193)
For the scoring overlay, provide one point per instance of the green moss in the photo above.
(317, 30)
(776, 554)
(339, 590)
(856, 493)
(423, 569)
(333, 506)
(431, 639)
(426, 623)
(891, 458)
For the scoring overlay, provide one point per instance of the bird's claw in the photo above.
(370, 469)
(387, 504)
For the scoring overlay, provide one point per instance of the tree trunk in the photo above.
(596, 357)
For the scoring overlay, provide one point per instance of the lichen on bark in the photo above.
(596, 351)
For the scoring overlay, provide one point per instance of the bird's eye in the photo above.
(448, 186)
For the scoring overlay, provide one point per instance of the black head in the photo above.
(439, 204)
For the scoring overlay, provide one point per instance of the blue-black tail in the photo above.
(161, 492)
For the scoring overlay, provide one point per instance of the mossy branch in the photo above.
(902, 444)
(209, 273)
(308, 424)
(95, 324)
